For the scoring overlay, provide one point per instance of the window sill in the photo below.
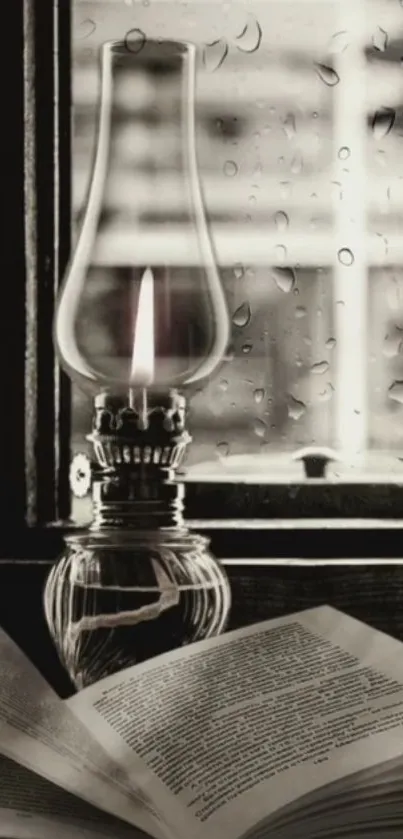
(306, 524)
(314, 500)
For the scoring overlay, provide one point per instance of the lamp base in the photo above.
(118, 598)
(137, 583)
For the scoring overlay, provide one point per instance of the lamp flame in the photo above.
(143, 357)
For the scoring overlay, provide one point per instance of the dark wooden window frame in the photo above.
(36, 419)
(36, 424)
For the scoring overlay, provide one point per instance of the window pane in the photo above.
(300, 152)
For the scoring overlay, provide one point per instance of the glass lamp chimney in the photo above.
(131, 313)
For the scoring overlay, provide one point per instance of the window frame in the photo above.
(35, 467)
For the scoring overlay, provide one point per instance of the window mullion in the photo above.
(47, 196)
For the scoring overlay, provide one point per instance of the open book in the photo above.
(289, 728)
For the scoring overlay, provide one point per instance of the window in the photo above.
(300, 149)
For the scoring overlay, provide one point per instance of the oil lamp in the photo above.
(137, 326)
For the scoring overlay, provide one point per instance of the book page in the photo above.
(38, 731)
(31, 806)
(238, 727)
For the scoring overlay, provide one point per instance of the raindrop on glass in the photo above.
(135, 40)
(384, 241)
(320, 367)
(345, 256)
(391, 345)
(338, 42)
(344, 153)
(281, 221)
(259, 427)
(239, 271)
(284, 278)
(246, 347)
(297, 164)
(285, 189)
(330, 343)
(289, 126)
(300, 312)
(250, 38)
(327, 74)
(214, 54)
(258, 395)
(327, 393)
(222, 449)
(337, 191)
(86, 28)
(383, 122)
(280, 253)
(223, 384)
(296, 408)
(242, 315)
(380, 39)
(230, 168)
(395, 392)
